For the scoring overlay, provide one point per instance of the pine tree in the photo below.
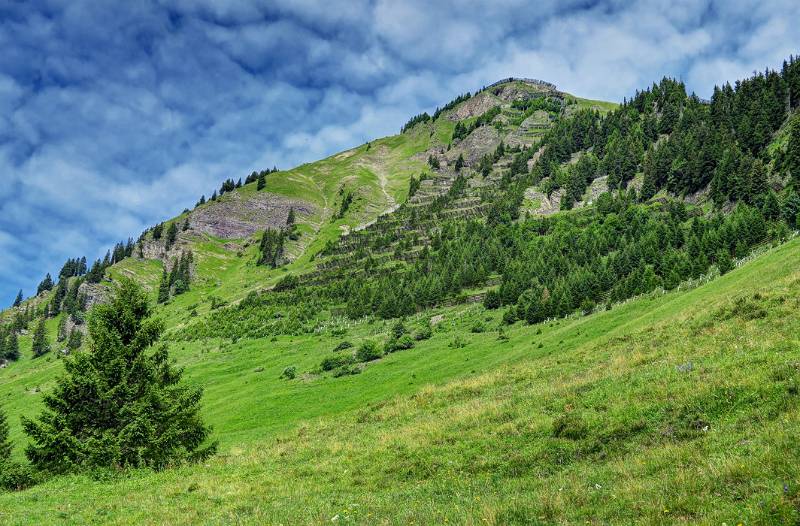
(40, 344)
(12, 346)
(261, 182)
(290, 218)
(18, 299)
(459, 163)
(46, 284)
(172, 234)
(121, 403)
(163, 288)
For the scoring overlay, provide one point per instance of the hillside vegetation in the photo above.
(525, 308)
(679, 407)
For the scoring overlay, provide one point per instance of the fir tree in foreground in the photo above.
(121, 403)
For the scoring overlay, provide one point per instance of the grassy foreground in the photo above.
(676, 408)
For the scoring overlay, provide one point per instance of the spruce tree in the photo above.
(121, 403)
(18, 299)
(40, 344)
(163, 288)
(12, 346)
(46, 284)
(261, 182)
(172, 234)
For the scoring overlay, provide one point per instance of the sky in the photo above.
(117, 115)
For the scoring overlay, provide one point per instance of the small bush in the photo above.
(15, 477)
(337, 360)
(492, 300)
(400, 344)
(368, 351)
(217, 303)
(457, 343)
(477, 328)
(346, 370)
(398, 329)
(290, 373)
(342, 346)
(424, 333)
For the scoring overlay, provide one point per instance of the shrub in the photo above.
(510, 316)
(478, 327)
(346, 370)
(342, 346)
(398, 329)
(400, 344)
(290, 373)
(457, 343)
(329, 363)
(217, 303)
(368, 351)
(15, 476)
(492, 300)
(424, 333)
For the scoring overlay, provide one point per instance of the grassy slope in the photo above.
(444, 433)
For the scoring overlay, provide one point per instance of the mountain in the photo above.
(527, 307)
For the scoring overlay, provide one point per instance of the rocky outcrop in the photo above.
(235, 217)
(475, 106)
(475, 145)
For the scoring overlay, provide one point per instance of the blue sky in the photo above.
(117, 115)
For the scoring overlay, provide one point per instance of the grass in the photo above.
(675, 408)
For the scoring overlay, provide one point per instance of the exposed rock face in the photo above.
(598, 186)
(95, 293)
(475, 145)
(237, 218)
(477, 105)
(547, 205)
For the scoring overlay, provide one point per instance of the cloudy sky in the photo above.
(116, 115)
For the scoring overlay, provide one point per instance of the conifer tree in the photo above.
(792, 159)
(46, 284)
(261, 182)
(459, 163)
(12, 346)
(40, 344)
(172, 234)
(18, 299)
(163, 288)
(5, 443)
(121, 403)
